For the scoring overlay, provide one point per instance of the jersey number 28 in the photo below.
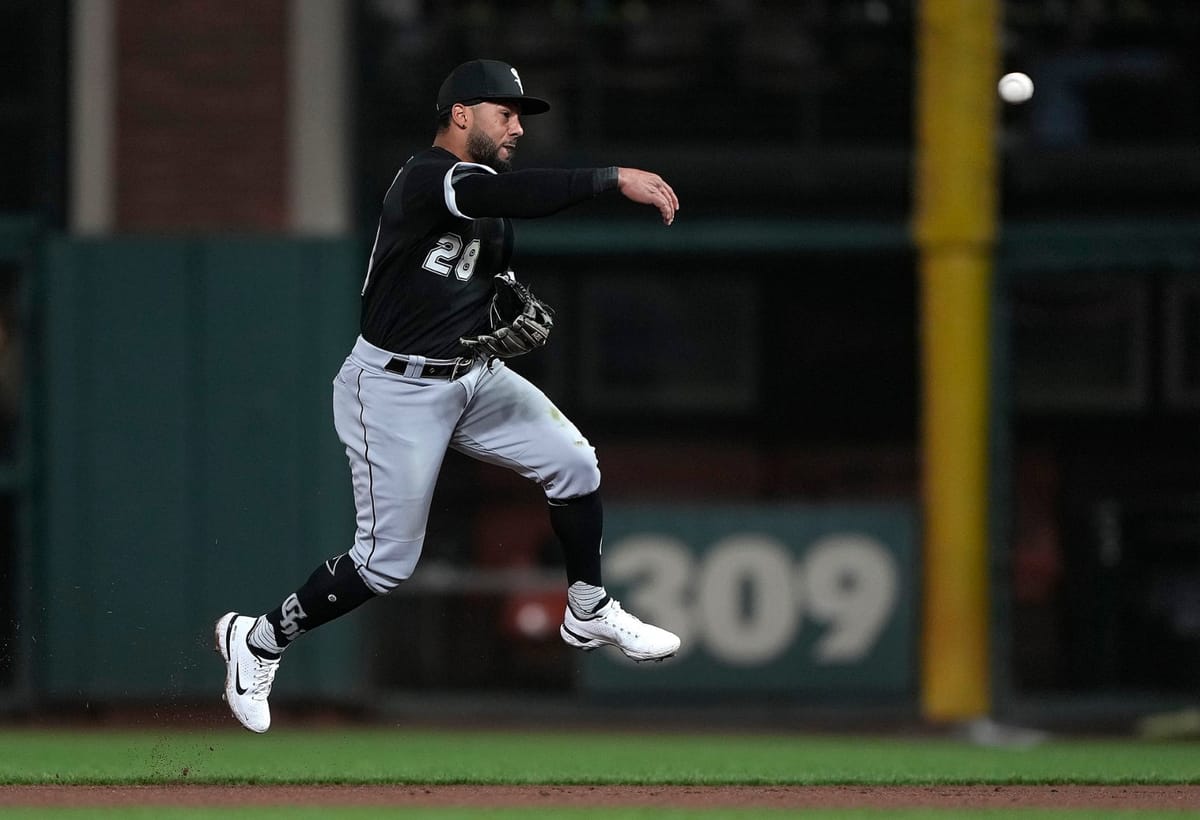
(448, 254)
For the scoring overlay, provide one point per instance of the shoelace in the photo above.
(615, 610)
(264, 676)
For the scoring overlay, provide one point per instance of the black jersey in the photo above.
(443, 234)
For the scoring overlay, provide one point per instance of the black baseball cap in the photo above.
(490, 80)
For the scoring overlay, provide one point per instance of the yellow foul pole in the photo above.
(955, 218)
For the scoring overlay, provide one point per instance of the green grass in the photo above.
(400, 756)
(295, 813)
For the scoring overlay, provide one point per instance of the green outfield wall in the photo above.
(189, 464)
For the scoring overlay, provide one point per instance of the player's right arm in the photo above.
(545, 191)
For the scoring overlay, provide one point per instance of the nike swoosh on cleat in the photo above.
(237, 675)
(575, 634)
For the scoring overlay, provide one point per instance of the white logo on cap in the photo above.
(517, 77)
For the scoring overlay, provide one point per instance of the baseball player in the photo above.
(441, 311)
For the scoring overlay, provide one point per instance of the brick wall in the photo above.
(201, 115)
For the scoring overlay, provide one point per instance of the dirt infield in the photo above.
(777, 797)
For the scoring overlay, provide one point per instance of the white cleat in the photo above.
(613, 626)
(248, 677)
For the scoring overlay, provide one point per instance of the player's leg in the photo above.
(511, 423)
(395, 431)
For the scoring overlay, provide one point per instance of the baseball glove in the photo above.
(520, 321)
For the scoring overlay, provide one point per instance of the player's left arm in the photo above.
(519, 321)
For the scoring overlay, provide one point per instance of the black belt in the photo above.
(439, 369)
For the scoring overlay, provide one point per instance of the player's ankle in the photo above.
(263, 641)
(585, 599)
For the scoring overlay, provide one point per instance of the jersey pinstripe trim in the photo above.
(448, 185)
(378, 230)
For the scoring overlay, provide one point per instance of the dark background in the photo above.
(804, 110)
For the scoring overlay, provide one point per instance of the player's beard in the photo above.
(485, 151)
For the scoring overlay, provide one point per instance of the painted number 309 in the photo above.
(746, 598)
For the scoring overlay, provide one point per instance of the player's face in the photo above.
(493, 134)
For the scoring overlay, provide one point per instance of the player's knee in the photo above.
(577, 475)
(384, 565)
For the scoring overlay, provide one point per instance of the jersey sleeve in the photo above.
(471, 193)
(457, 173)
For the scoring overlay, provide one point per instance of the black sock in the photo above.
(330, 592)
(579, 525)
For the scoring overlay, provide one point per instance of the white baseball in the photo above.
(1015, 87)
